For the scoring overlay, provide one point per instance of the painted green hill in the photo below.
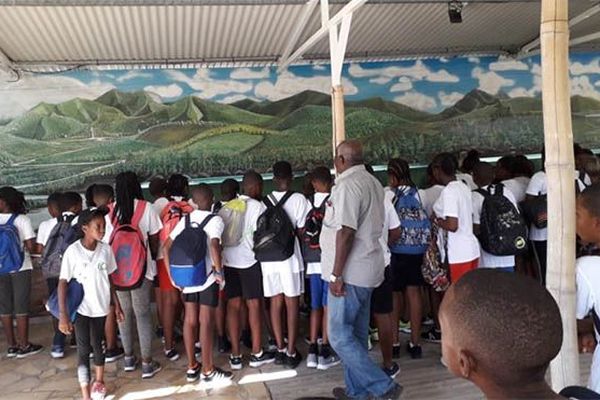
(580, 104)
(130, 103)
(288, 105)
(472, 101)
(400, 110)
(216, 112)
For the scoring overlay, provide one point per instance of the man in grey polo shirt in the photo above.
(352, 261)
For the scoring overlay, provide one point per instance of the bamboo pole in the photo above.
(338, 114)
(560, 167)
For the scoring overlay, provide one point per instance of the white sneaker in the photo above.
(325, 363)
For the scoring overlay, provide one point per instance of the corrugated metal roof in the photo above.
(256, 31)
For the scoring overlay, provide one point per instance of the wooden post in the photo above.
(338, 115)
(560, 167)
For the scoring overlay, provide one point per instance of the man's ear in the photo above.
(466, 363)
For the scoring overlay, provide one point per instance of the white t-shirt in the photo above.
(538, 186)
(489, 260)
(429, 196)
(159, 204)
(91, 269)
(242, 256)
(150, 224)
(390, 222)
(467, 179)
(518, 187)
(297, 208)
(455, 201)
(588, 299)
(23, 225)
(44, 230)
(214, 229)
(315, 267)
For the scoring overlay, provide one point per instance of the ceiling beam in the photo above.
(6, 65)
(584, 39)
(309, 7)
(119, 3)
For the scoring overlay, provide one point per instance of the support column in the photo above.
(560, 167)
(338, 114)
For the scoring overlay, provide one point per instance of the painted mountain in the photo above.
(66, 145)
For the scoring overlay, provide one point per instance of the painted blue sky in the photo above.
(429, 85)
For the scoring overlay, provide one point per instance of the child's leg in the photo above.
(207, 315)
(413, 295)
(170, 298)
(255, 322)
(190, 331)
(82, 329)
(220, 314)
(385, 326)
(126, 326)
(140, 299)
(110, 329)
(291, 306)
(316, 317)
(276, 322)
(21, 283)
(7, 309)
(324, 334)
(59, 337)
(158, 297)
(233, 323)
(23, 330)
(96, 337)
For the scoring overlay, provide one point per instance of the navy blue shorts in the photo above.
(318, 291)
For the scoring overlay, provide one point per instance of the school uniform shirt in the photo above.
(467, 180)
(538, 186)
(91, 269)
(588, 298)
(159, 204)
(213, 229)
(150, 224)
(242, 256)
(429, 196)
(517, 186)
(455, 201)
(45, 228)
(488, 260)
(390, 221)
(297, 208)
(315, 267)
(23, 225)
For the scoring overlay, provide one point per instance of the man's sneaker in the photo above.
(374, 333)
(328, 361)
(150, 369)
(433, 336)
(217, 375)
(29, 350)
(393, 371)
(392, 394)
(414, 351)
(396, 350)
(57, 351)
(280, 356)
(129, 363)
(271, 345)
(12, 352)
(197, 349)
(293, 361)
(223, 344)
(172, 355)
(98, 391)
(112, 355)
(262, 358)
(246, 338)
(192, 374)
(312, 358)
(404, 327)
(235, 362)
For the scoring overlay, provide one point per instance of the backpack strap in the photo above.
(499, 189)
(138, 213)
(11, 220)
(596, 320)
(271, 200)
(188, 221)
(206, 220)
(482, 192)
(284, 198)
(324, 204)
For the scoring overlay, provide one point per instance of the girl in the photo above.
(90, 262)
(15, 287)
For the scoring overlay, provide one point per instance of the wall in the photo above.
(65, 130)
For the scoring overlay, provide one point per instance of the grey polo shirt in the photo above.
(356, 202)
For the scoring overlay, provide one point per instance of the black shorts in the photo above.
(207, 297)
(15, 290)
(246, 283)
(382, 297)
(406, 271)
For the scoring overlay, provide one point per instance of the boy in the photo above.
(324, 359)
(486, 318)
(483, 176)
(283, 280)
(200, 302)
(53, 204)
(244, 280)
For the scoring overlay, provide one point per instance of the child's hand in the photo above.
(587, 343)
(64, 325)
(219, 278)
(119, 315)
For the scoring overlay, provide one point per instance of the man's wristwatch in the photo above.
(334, 279)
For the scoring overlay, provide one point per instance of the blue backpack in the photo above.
(415, 227)
(74, 299)
(187, 257)
(11, 253)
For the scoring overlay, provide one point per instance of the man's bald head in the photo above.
(349, 153)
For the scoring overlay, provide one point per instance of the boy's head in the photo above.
(92, 223)
(53, 204)
(321, 179)
(587, 214)
(178, 185)
(500, 329)
(469, 162)
(229, 189)
(398, 172)
(158, 187)
(203, 197)
(253, 184)
(523, 166)
(282, 175)
(504, 168)
(103, 195)
(71, 202)
(89, 196)
(483, 174)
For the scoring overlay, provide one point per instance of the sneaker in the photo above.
(327, 359)
(393, 371)
(262, 358)
(374, 333)
(271, 345)
(224, 345)
(396, 351)
(73, 342)
(172, 355)
(193, 374)
(414, 351)
(113, 355)
(404, 328)
(369, 343)
(29, 350)
(129, 363)
(57, 351)
(339, 393)
(443, 362)
(159, 332)
(246, 338)
(280, 357)
(312, 358)
(392, 394)
(293, 361)
(12, 352)
(428, 322)
(197, 349)
(235, 362)
(150, 369)
(217, 375)
(98, 391)
(433, 336)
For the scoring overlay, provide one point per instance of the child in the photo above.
(538, 186)
(244, 281)
(483, 175)
(486, 318)
(90, 261)
(283, 280)
(323, 358)
(430, 195)
(200, 302)
(53, 205)
(15, 287)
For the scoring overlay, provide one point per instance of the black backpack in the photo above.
(311, 248)
(275, 234)
(503, 231)
(62, 236)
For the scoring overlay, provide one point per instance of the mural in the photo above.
(64, 130)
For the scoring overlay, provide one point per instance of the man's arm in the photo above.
(344, 239)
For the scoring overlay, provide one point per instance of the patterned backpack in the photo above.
(434, 268)
(415, 226)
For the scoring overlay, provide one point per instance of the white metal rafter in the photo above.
(302, 22)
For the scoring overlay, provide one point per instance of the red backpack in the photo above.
(129, 247)
(170, 216)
